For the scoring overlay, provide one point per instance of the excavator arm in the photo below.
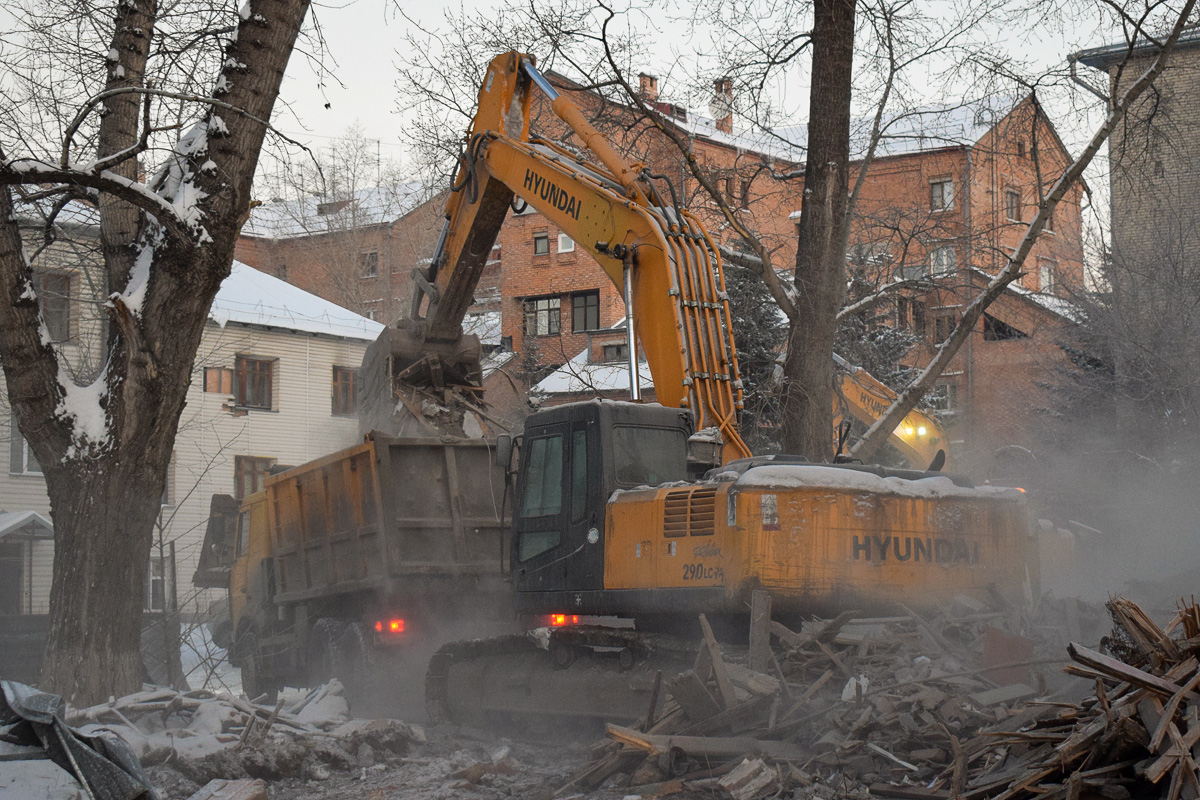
(658, 254)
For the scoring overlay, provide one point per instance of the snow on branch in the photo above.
(32, 171)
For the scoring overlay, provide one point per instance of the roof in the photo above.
(25, 523)
(1106, 55)
(311, 215)
(1059, 306)
(250, 297)
(920, 130)
(579, 376)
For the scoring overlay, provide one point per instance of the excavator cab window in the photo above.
(649, 456)
(542, 493)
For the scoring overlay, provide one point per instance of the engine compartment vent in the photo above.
(690, 512)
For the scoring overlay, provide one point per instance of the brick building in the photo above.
(356, 250)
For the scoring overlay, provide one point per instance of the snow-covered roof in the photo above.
(250, 297)
(307, 216)
(76, 212)
(922, 129)
(579, 376)
(1105, 56)
(1060, 306)
(28, 523)
(485, 325)
(494, 361)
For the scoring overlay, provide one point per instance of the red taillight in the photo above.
(379, 626)
(391, 626)
(558, 620)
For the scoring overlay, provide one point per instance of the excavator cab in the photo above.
(573, 458)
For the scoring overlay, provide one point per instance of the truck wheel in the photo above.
(322, 650)
(253, 684)
(355, 661)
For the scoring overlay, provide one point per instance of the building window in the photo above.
(249, 473)
(254, 382)
(542, 316)
(54, 293)
(168, 495)
(1021, 148)
(281, 272)
(910, 314)
(944, 397)
(615, 352)
(12, 571)
(218, 380)
(941, 195)
(585, 312)
(160, 582)
(541, 244)
(1012, 205)
(1046, 269)
(20, 457)
(941, 261)
(565, 244)
(368, 264)
(344, 380)
(371, 313)
(943, 326)
(996, 330)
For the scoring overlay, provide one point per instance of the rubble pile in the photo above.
(955, 706)
(201, 736)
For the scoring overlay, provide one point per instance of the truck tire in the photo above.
(354, 662)
(322, 650)
(253, 682)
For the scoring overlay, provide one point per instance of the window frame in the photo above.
(570, 248)
(241, 362)
(260, 469)
(224, 380)
(937, 269)
(576, 327)
(622, 349)
(1047, 266)
(938, 319)
(553, 312)
(938, 200)
(368, 264)
(1010, 205)
(343, 394)
(542, 239)
(60, 328)
(20, 455)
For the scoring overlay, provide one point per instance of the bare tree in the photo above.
(105, 93)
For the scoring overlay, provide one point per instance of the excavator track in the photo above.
(551, 674)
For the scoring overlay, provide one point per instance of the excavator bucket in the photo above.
(415, 386)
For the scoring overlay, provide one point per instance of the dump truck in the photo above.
(338, 562)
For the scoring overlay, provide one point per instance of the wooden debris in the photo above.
(241, 789)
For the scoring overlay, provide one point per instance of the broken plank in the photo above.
(908, 792)
(786, 635)
(1003, 694)
(693, 696)
(708, 746)
(724, 685)
(241, 789)
(760, 631)
(1119, 670)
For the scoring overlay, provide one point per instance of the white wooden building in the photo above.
(273, 384)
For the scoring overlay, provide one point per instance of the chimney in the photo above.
(648, 87)
(721, 104)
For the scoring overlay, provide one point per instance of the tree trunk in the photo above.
(103, 512)
(820, 256)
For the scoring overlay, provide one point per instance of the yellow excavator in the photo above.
(647, 513)
(655, 512)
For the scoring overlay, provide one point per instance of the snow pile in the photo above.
(816, 476)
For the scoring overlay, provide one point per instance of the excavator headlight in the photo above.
(921, 431)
